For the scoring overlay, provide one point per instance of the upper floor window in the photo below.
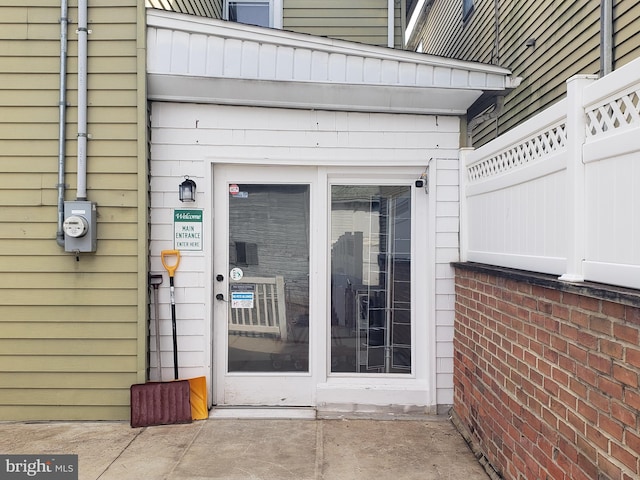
(251, 12)
(467, 8)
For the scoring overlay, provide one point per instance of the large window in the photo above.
(371, 279)
(254, 12)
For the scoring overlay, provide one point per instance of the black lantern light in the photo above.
(187, 190)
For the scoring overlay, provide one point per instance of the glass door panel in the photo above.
(371, 279)
(268, 318)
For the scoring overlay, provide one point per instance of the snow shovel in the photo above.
(171, 270)
(198, 385)
(156, 281)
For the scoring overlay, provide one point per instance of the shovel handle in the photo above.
(171, 269)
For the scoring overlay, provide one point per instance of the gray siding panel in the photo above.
(567, 43)
(626, 40)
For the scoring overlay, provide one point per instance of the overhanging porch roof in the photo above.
(194, 59)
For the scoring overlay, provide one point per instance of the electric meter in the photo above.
(79, 226)
(75, 226)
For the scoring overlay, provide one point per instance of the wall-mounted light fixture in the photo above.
(531, 43)
(187, 190)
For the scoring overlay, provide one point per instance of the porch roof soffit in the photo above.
(194, 59)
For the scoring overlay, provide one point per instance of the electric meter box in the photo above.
(80, 226)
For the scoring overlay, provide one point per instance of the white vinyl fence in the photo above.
(560, 194)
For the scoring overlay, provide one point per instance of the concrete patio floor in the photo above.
(260, 449)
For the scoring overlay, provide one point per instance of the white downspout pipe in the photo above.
(391, 23)
(62, 120)
(83, 33)
(480, 119)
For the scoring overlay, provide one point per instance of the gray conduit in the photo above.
(606, 37)
(83, 33)
(496, 42)
(475, 448)
(62, 107)
(391, 14)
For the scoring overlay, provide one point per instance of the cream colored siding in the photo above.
(567, 42)
(626, 27)
(399, 23)
(443, 38)
(364, 21)
(202, 8)
(73, 336)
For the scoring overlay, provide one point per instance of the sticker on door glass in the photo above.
(234, 191)
(236, 274)
(242, 295)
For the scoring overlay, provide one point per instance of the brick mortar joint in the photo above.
(486, 312)
(609, 293)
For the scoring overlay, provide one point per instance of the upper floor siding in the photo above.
(365, 21)
(543, 42)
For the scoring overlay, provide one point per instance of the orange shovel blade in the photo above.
(199, 407)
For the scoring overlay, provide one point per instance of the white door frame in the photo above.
(259, 388)
(328, 389)
(349, 390)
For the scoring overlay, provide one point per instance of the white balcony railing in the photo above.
(560, 193)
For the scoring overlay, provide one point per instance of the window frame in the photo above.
(275, 10)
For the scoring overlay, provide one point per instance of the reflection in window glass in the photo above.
(251, 13)
(371, 279)
(268, 324)
(467, 8)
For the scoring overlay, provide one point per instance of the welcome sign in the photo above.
(187, 228)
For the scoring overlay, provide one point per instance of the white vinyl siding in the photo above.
(295, 136)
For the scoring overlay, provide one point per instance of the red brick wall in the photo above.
(546, 374)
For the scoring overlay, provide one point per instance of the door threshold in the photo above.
(268, 413)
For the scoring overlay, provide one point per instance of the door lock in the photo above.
(219, 277)
(220, 296)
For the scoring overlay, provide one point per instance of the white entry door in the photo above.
(320, 286)
(262, 285)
